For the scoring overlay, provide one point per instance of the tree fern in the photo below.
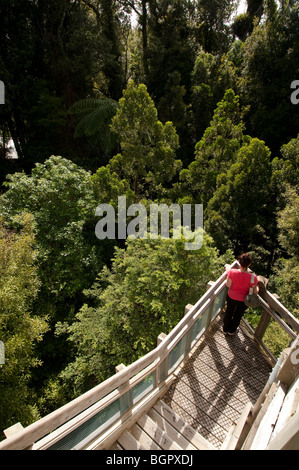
(93, 117)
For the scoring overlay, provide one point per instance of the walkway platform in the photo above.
(215, 384)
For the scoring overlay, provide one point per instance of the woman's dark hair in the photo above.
(245, 260)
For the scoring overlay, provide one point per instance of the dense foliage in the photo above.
(141, 295)
(20, 330)
(161, 102)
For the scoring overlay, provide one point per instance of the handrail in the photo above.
(274, 304)
(272, 308)
(34, 432)
(276, 317)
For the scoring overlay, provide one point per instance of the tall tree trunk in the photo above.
(143, 20)
(113, 68)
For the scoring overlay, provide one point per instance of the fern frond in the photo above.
(94, 115)
(87, 105)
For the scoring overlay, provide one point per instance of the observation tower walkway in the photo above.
(197, 390)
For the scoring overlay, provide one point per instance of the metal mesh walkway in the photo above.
(215, 384)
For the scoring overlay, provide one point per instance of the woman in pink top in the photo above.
(238, 282)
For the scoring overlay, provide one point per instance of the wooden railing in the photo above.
(272, 308)
(99, 415)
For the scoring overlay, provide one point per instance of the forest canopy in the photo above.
(185, 102)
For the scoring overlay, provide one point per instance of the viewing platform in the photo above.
(198, 389)
(221, 377)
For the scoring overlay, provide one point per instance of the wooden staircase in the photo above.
(161, 429)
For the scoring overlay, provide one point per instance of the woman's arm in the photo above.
(228, 282)
(256, 289)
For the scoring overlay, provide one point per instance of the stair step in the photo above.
(116, 446)
(233, 439)
(190, 434)
(175, 435)
(128, 442)
(156, 433)
(143, 438)
(161, 429)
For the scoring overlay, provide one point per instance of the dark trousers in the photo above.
(234, 312)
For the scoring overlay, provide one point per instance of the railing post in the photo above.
(162, 369)
(189, 333)
(209, 285)
(290, 368)
(188, 308)
(265, 317)
(160, 338)
(15, 429)
(262, 325)
(126, 398)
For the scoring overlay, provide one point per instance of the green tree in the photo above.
(216, 151)
(173, 106)
(163, 60)
(270, 65)
(285, 173)
(143, 294)
(286, 275)
(170, 50)
(61, 197)
(52, 55)
(284, 282)
(288, 223)
(107, 187)
(147, 158)
(212, 76)
(108, 15)
(239, 213)
(20, 330)
(140, 9)
(59, 194)
(243, 24)
(286, 168)
(211, 20)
